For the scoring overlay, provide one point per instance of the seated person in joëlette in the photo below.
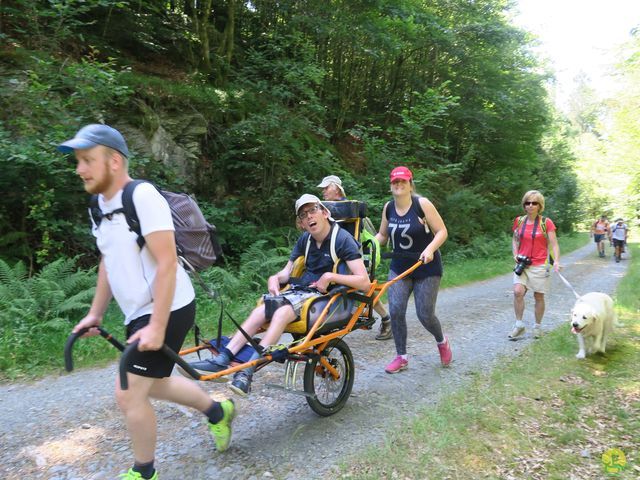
(316, 220)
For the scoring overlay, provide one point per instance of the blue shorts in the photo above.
(598, 237)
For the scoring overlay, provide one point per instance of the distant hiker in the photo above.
(414, 226)
(152, 290)
(533, 234)
(619, 234)
(332, 191)
(600, 229)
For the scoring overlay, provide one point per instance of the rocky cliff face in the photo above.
(175, 139)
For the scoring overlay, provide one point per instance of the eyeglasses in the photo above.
(526, 204)
(305, 213)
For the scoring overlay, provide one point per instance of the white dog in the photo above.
(592, 320)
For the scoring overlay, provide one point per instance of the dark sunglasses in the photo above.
(526, 204)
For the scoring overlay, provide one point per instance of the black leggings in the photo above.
(425, 294)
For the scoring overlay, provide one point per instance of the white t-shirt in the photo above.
(619, 232)
(131, 271)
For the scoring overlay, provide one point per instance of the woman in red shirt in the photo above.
(531, 242)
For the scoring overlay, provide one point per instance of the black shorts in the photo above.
(155, 364)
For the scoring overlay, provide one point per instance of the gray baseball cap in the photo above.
(95, 134)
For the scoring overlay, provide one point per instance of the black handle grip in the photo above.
(132, 347)
(68, 347)
(338, 290)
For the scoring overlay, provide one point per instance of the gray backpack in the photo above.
(196, 240)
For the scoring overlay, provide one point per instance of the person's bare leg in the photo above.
(281, 318)
(182, 391)
(539, 308)
(251, 325)
(139, 416)
(519, 292)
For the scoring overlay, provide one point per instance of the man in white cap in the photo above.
(314, 218)
(333, 191)
(152, 290)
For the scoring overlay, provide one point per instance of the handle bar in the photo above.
(126, 353)
(68, 347)
(132, 347)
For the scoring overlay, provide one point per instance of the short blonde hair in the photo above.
(534, 196)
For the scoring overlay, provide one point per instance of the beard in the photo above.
(101, 184)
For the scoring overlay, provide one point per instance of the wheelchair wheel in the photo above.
(329, 394)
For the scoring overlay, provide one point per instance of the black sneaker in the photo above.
(241, 383)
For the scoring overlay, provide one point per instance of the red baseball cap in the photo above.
(401, 173)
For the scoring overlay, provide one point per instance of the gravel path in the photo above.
(69, 427)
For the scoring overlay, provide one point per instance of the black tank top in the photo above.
(409, 235)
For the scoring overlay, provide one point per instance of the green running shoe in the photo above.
(221, 431)
(131, 475)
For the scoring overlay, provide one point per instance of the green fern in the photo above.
(58, 290)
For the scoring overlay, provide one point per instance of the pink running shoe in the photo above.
(398, 364)
(445, 352)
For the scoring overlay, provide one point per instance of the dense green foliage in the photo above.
(261, 99)
(607, 142)
(35, 311)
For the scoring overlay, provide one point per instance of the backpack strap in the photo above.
(415, 205)
(129, 210)
(94, 210)
(332, 247)
(543, 226)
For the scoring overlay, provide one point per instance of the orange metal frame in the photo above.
(310, 340)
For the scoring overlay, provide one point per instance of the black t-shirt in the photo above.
(409, 235)
(319, 260)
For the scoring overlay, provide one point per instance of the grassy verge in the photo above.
(544, 415)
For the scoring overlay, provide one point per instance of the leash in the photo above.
(566, 282)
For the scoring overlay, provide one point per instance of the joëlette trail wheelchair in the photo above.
(318, 334)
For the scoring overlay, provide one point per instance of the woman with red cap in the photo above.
(414, 227)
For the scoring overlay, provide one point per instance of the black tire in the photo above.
(329, 395)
